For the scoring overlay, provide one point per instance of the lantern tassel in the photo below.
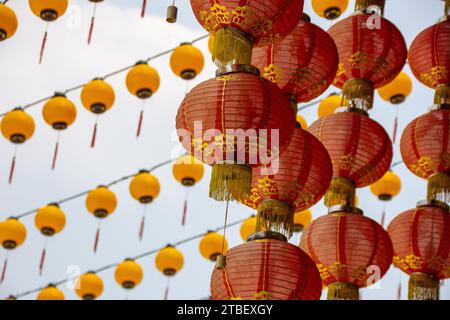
(139, 127)
(358, 93)
(342, 291)
(232, 46)
(383, 215)
(230, 182)
(11, 170)
(44, 42)
(42, 261)
(94, 135)
(91, 28)
(394, 134)
(439, 187)
(97, 239)
(274, 215)
(183, 218)
(144, 5)
(55, 153)
(423, 287)
(5, 266)
(142, 226)
(341, 192)
(166, 292)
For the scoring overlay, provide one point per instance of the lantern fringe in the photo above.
(144, 5)
(359, 94)
(341, 192)
(343, 291)
(439, 187)
(423, 287)
(277, 216)
(230, 182)
(442, 95)
(232, 46)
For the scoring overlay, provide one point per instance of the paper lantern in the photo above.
(212, 245)
(128, 274)
(301, 220)
(89, 286)
(187, 61)
(238, 119)
(348, 249)
(50, 293)
(239, 25)
(397, 90)
(303, 64)
(329, 105)
(266, 269)
(8, 22)
(12, 235)
(425, 146)
(387, 187)
(248, 228)
(360, 150)
(421, 239)
(169, 261)
(330, 9)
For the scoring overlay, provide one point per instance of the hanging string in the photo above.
(186, 90)
(183, 218)
(55, 153)
(394, 133)
(97, 236)
(13, 165)
(166, 292)
(44, 42)
(383, 214)
(91, 28)
(225, 227)
(94, 133)
(5, 266)
(142, 226)
(141, 118)
(42, 261)
(144, 5)
(399, 291)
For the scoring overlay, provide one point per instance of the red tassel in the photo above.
(44, 41)
(94, 136)
(5, 265)
(55, 155)
(141, 228)
(394, 134)
(97, 238)
(166, 293)
(399, 291)
(141, 118)
(183, 219)
(41, 263)
(383, 216)
(11, 171)
(91, 29)
(144, 5)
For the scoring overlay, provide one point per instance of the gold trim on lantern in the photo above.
(232, 46)
(422, 286)
(358, 93)
(276, 216)
(343, 291)
(439, 187)
(230, 182)
(341, 192)
(442, 96)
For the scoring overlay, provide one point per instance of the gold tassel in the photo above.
(343, 291)
(439, 187)
(232, 46)
(363, 5)
(442, 95)
(276, 216)
(358, 93)
(423, 287)
(341, 192)
(230, 182)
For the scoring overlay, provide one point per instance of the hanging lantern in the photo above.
(169, 261)
(360, 150)
(98, 97)
(142, 81)
(8, 22)
(248, 228)
(303, 64)
(425, 146)
(12, 235)
(101, 202)
(347, 248)
(213, 245)
(300, 178)
(49, 220)
(243, 127)
(128, 274)
(329, 105)
(238, 26)
(188, 171)
(17, 126)
(329, 9)
(59, 112)
(421, 239)
(91, 27)
(48, 11)
(144, 187)
(397, 90)
(50, 293)
(370, 55)
(387, 187)
(266, 267)
(89, 286)
(301, 220)
(187, 61)
(302, 122)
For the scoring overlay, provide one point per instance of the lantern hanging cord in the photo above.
(140, 256)
(83, 193)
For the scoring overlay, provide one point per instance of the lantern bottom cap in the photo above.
(9, 244)
(3, 35)
(188, 74)
(397, 99)
(144, 93)
(188, 182)
(17, 138)
(169, 272)
(332, 13)
(128, 285)
(145, 199)
(47, 231)
(59, 125)
(49, 15)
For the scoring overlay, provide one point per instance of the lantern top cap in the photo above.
(59, 94)
(237, 68)
(345, 209)
(267, 235)
(433, 203)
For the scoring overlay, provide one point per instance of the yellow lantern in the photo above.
(212, 245)
(302, 122)
(101, 202)
(51, 293)
(17, 126)
(8, 22)
(48, 11)
(248, 228)
(128, 274)
(142, 81)
(302, 220)
(329, 9)
(329, 105)
(169, 261)
(397, 90)
(211, 40)
(89, 286)
(144, 187)
(187, 61)
(12, 235)
(97, 96)
(188, 171)
(387, 187)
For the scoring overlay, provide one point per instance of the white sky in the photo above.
(121, 38)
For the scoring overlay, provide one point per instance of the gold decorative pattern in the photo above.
(423, 167)
(358, 60)
(262, 295)
(268, 186)
(347, 162)
(272, 73)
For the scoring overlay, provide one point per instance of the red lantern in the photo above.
(297, 180)
(229, 122)
(360, 150)
(372, 52)
(240, 24)
(351, 251)
(421, 239)
(303, 64)
(425, 148)
(266, 269)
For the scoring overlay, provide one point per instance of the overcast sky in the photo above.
(121, 38)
